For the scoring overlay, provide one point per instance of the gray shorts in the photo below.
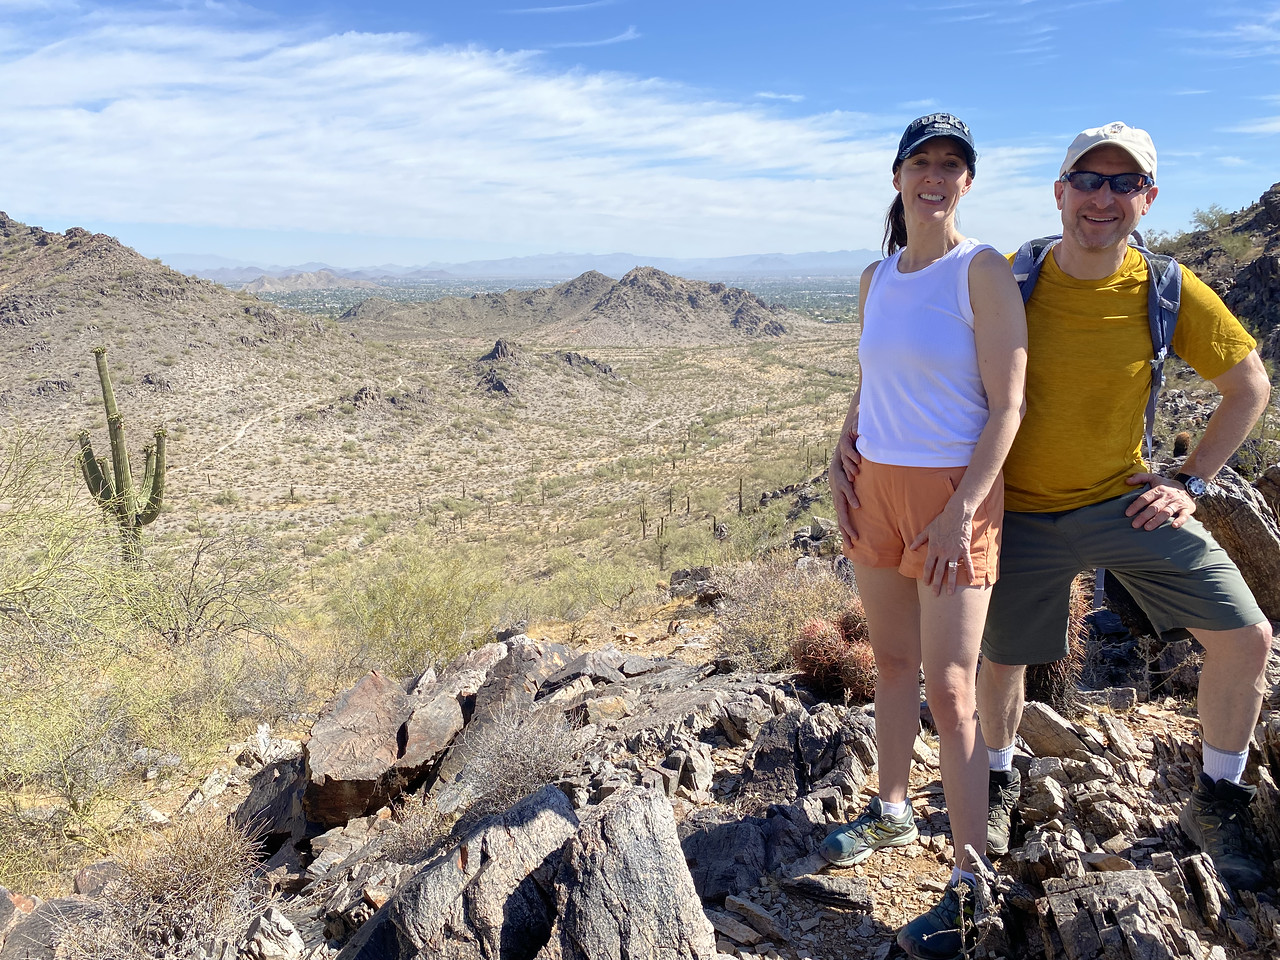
(1179, 577)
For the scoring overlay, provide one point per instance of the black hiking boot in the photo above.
(951, 927)
(1217, 820)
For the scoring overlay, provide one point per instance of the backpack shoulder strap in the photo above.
(1164, 296)
(1028, 261)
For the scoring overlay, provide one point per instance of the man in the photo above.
(1069, 493)
(1070, 496)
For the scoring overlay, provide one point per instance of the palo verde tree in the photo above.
(112, 483)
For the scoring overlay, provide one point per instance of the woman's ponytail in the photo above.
(895, 227)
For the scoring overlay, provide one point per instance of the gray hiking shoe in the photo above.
(1216, 819)
(1003, 790)
(952, 928)
(854, 842)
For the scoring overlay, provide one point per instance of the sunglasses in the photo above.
(1086, 181)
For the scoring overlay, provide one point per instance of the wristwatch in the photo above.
(1196, 486)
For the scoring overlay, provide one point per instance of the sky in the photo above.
(283, 132)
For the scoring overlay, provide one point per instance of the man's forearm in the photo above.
(1244, 397)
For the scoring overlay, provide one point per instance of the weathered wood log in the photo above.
(1116, 916)
(1241, 520)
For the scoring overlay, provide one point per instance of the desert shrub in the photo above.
(512, 754)
(581, 584)
(173, 896)
(217, 587)
(1237, 246)
(1211, 217)
(420, 830)
(415, 607)
(91, 690)
(766, 603)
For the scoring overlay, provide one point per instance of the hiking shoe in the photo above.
(1003, 789)
(951, 928)
(855, 841)
(1217, 820)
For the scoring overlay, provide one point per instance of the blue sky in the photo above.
(398, 132)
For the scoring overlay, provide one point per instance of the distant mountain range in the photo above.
(550, 266)
(646, 308)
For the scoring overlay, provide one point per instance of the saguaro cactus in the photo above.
(112, 484)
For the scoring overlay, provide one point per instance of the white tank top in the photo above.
(922, 400)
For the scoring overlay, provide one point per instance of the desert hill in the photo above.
(1238, 254)
(645, 308)
(322, 436)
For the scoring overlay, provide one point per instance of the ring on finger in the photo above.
(952, 564)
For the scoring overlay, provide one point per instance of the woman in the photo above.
(942, 358)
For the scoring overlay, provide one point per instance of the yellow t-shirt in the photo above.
(1089, 376)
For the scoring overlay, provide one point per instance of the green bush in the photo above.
(104, 666)
(1238, 246)
(1211, 217)
(416, 607)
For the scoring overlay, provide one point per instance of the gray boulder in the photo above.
(623, 890)
(488, 896)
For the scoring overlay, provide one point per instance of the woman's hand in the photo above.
(948, 536)
(841, 475)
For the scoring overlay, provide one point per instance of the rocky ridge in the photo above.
(645, 308)
(1240, 259)
(685, 822)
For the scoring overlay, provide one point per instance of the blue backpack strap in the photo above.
(1028, 261)
(1164, 295)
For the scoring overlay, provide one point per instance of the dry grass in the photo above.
(173, 895)
(766, 604)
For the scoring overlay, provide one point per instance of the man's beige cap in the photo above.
(1137, 143)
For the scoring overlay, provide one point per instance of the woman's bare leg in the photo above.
(893, 620)
(950, 638)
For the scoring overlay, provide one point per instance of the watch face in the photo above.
(1196, 486)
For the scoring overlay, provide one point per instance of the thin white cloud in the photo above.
(567, 8)
(134, 120)
(1261, 125)
(631, 33)
(770, 95)
(1234, 162)
(1190, 93)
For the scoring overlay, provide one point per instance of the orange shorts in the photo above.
(896, 503)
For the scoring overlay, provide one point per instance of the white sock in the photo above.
(957, 875)
(895, 810)
(1000, 759)
(1222, 765)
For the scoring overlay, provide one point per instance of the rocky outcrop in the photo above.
(623, 890)
(373, 741)
(1255, 295)
(685, 825)
(485, 897)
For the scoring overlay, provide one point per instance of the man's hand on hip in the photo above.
(1164, 500)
